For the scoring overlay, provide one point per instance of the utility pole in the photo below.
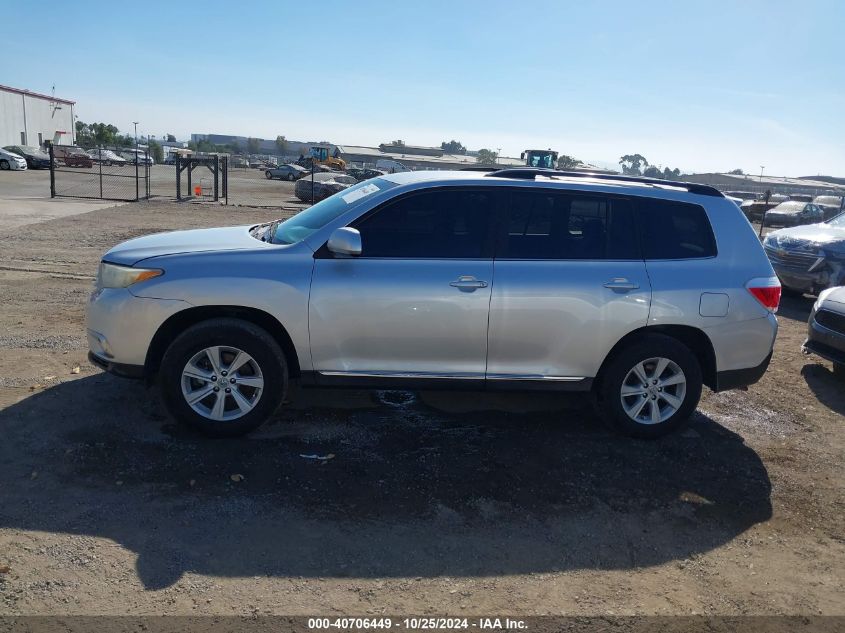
(498, 153)
(762, 167)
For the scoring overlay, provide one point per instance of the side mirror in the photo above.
(345, 241)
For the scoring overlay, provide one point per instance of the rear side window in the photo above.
(547, 224)
(440, 224)
(675, 230)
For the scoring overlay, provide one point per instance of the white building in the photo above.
(30, 118)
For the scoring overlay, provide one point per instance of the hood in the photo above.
(837, 296)
(820, 234)
(228, 238)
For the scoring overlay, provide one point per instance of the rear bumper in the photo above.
(739, 378)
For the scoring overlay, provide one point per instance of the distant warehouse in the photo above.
(31, 118)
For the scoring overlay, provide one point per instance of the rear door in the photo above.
(570, 281)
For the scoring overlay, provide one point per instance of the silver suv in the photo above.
(636, 290)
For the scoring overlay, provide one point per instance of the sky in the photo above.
(697, 85)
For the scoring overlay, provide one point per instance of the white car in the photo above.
(107, 157)
(10, 160)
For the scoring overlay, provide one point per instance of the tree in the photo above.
(156, 151)
(252, 145)
(567, 162)
(632, 164)
(487, 157)
(171, 138)
(453, 147)
(234, 147)
(653, 172)
(736, 172)
(281, 144)
(669, 174)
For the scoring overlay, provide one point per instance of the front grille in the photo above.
(796, 260)
(831, 320)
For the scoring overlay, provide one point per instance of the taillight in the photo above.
(766, 290)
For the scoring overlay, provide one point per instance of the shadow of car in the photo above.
(445, 485)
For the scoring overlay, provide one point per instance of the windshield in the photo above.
(304, 224)
(541, 159)
(838, 221)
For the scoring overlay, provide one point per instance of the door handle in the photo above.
(620, 283)
(468, 282)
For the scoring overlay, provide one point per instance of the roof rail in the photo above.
(529, 173)
(481, 168)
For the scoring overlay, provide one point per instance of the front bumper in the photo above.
(823, 341)
(121, 326)
(806, 271)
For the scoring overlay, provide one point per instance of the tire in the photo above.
(4, 165)
(291, 177)
(266, 363)
(268, 175)
(677, 360)
(839, 371)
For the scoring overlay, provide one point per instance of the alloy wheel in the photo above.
(222, 383)
(653, 390)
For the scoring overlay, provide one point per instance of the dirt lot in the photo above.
(433, 503)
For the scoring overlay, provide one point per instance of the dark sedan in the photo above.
(794, 213)
(365, 174)
(35, 158)
(285, 172)
(325, 185)
(826, 329)
(809, 258)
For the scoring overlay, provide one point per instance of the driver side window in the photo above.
(441, 224)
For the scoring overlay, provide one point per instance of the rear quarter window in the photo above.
(675, 230)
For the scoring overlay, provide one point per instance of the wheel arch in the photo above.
(692, 337)
(184, 319)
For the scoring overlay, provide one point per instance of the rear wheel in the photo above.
(651, 387)
(223, 377)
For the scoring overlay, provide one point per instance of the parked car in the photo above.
(809, 258)
(745, 195)
(35, 158)
(140, 158)
(826, 329)
(61, 151)
(10, 160)
(800, 197)
(78, 159)
(754, 209)
(794, 213)
(285, 172)
(325, 185)
(364, 174)
(831, 205)
(392, 283)
(107, 157)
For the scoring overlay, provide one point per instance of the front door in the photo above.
(415, 303)
(570, 283)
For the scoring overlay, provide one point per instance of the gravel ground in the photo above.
(432, 503)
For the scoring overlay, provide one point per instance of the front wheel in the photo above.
(268, 175)
(291, 177)
(651, 387)
(223, 377)
(4, 165)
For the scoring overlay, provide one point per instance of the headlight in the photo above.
(114, 276)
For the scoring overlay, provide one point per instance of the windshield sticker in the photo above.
(364, 191)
